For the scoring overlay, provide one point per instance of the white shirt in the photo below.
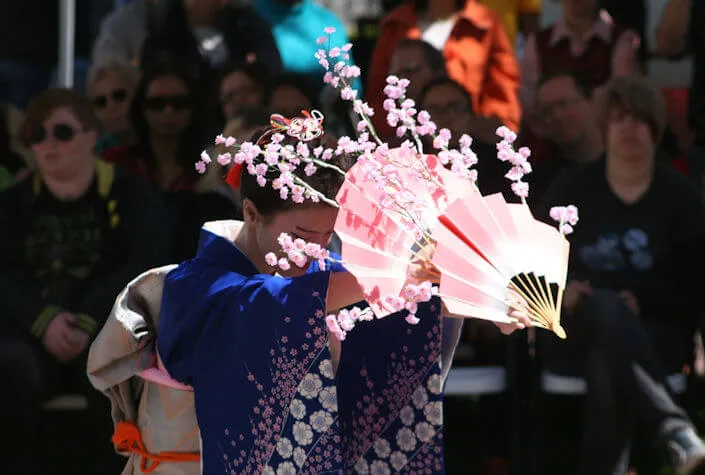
(438, 32)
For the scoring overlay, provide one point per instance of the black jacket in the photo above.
(654, 247)
(136, 238)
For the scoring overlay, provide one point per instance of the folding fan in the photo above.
(489, 251)
(377, 244)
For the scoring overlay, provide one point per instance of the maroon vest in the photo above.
(594, 65)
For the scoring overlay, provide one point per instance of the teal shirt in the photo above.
(296, 29)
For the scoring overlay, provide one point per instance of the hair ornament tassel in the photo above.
(234, 176)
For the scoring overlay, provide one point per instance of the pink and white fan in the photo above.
(379, 238)
(489, 252)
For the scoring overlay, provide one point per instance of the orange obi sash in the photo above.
(127, 438)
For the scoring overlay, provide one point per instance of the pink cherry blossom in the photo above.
(565, 216)
(411, 319)
(271, 259)
(225, 159)
(284, 264)
(520, 188)
(334, 327)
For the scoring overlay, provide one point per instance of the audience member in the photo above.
(572, 135)
(124, 30)
(241, 86)
(450, 106)
(635, 283)
(290, 94)
(585, 41)
(111, 85)
(682, 31)
(417, 61)
(167, 115)
(168, 120)
(477, 51)
(208, 35)
(74, 233)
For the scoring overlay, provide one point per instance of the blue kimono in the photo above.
(254, 347)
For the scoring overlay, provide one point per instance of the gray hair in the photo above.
(113, 64)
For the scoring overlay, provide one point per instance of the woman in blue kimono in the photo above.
(275, 393)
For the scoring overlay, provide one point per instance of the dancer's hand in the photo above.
(421, 269)
(518, 309)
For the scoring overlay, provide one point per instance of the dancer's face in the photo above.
(312, 223)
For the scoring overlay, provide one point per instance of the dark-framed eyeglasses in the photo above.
(61, 132)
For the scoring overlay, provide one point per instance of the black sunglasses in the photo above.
(118, 96)
(61, 132)
(159, 103)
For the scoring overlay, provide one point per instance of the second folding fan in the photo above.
(493, 255)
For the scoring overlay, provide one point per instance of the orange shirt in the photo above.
(478, 55)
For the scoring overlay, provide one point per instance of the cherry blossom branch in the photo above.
(282, 161)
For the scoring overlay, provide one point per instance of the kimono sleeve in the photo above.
(199, 324)
(390, 393)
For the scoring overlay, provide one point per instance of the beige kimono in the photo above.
(165, 417)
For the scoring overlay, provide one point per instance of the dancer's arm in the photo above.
(343, 291)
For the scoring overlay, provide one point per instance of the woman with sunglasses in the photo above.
(72, 234)
(168, 119)
(110, 87)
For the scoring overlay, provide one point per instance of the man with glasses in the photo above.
(564, 107)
